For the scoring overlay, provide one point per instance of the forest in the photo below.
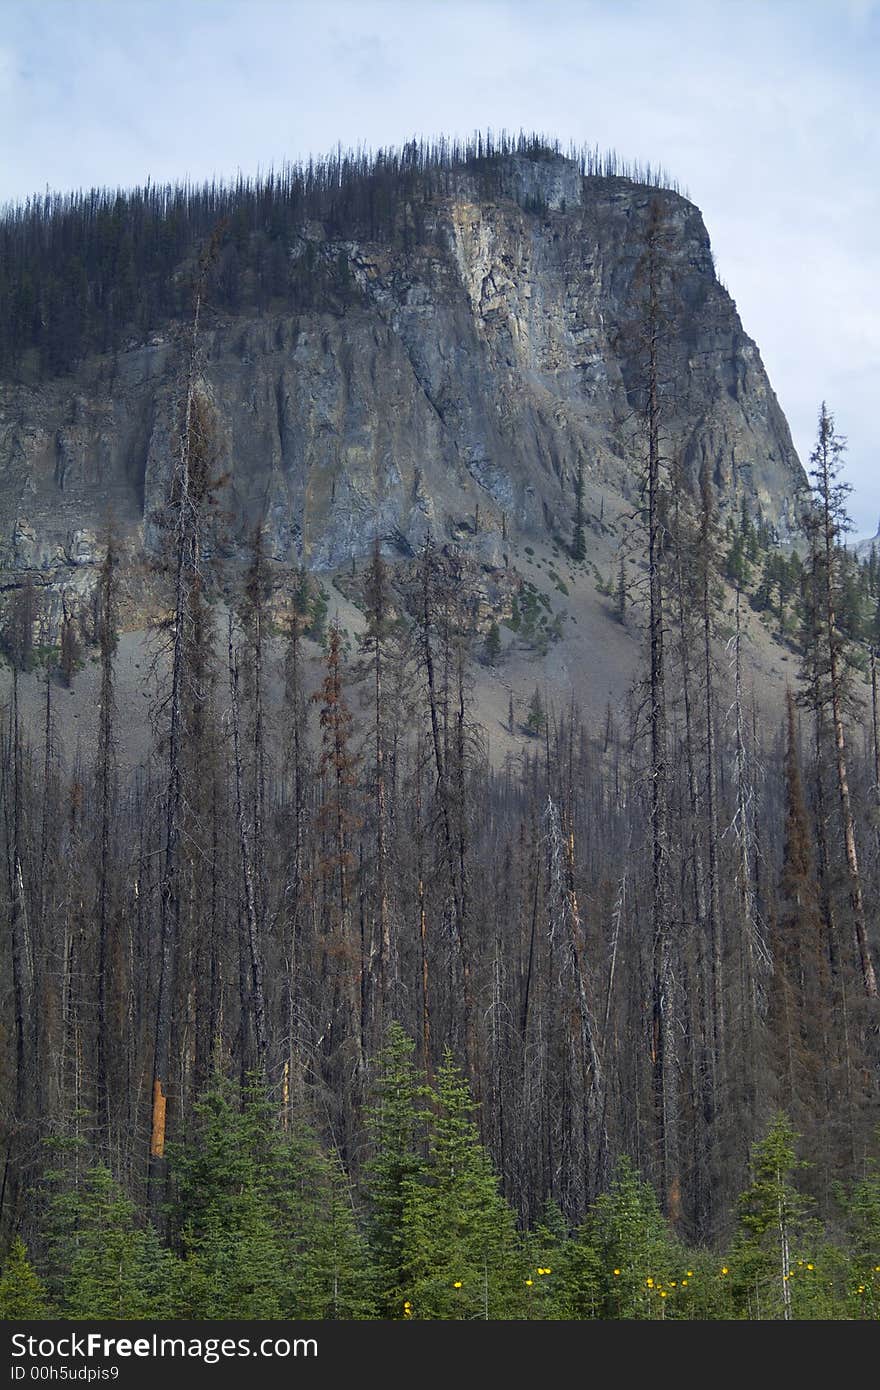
(319, 1012)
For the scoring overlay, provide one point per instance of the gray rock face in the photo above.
(864, 547)
(469, 377)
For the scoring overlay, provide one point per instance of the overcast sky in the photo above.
(765, 110)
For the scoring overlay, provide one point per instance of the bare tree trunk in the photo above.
(823, 458)
(294, 888)
(423, 916)
(836, 965)
(22, 959)
(663, 989)
(561, 848)
(106, 779)
(453, 852)
(247, 870)
(875, 724)
(186, 563)
(712, 828)
(471, 1049)
(754, 956)
(784, 1251)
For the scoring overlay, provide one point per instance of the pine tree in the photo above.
(633, 1244)
(622, 597)
(826, 669)
(561, 1280)
(861, 1205)
(460, 1254)
(225, 1213)
(101, 1263)
(578, 538)
(342, 966)
(325, 1251)
(22, 1295)
(374, 644)
(772, 1220)
(492, 644)
(567, 1285)
(17, 637)
(799, 986)
(397, 1125)
(71, 654)
(536, 719)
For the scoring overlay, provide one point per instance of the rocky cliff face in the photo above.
(458, 392)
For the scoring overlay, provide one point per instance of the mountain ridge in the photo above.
(451, 384)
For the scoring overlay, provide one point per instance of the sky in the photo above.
(766, 111)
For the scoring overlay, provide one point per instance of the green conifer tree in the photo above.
(225, 1212)
(561, 1276)
(535, 717)
(341, 1277)
(773, 1225)
(578, 538)
(101, 1263)
(461, 1257)
(862, 1207)
(325, 1254)
(22, 1295)
(627, 1230)
(736, 565)
(397, 1124)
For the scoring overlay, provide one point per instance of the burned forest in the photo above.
(355, 965)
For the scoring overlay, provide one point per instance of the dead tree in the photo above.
(245, 838)
(189, 492)
(106, 779)
(828, 522)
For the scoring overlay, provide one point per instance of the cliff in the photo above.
(452, 385)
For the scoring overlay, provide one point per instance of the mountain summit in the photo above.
(433, 347)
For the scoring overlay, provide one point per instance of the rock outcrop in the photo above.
(467, 380)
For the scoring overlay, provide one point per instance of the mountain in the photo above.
(449, 375)
(864, 547)
(545, 816)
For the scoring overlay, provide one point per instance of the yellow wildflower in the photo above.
(457, 1284)
(662, 1293)
(650, 1283)
(529, 1283)
(690, 1274)
(724, 1270)
(617, 1271)
(809, 1266)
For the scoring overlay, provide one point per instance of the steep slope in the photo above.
(475, 370)
(450, 384)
